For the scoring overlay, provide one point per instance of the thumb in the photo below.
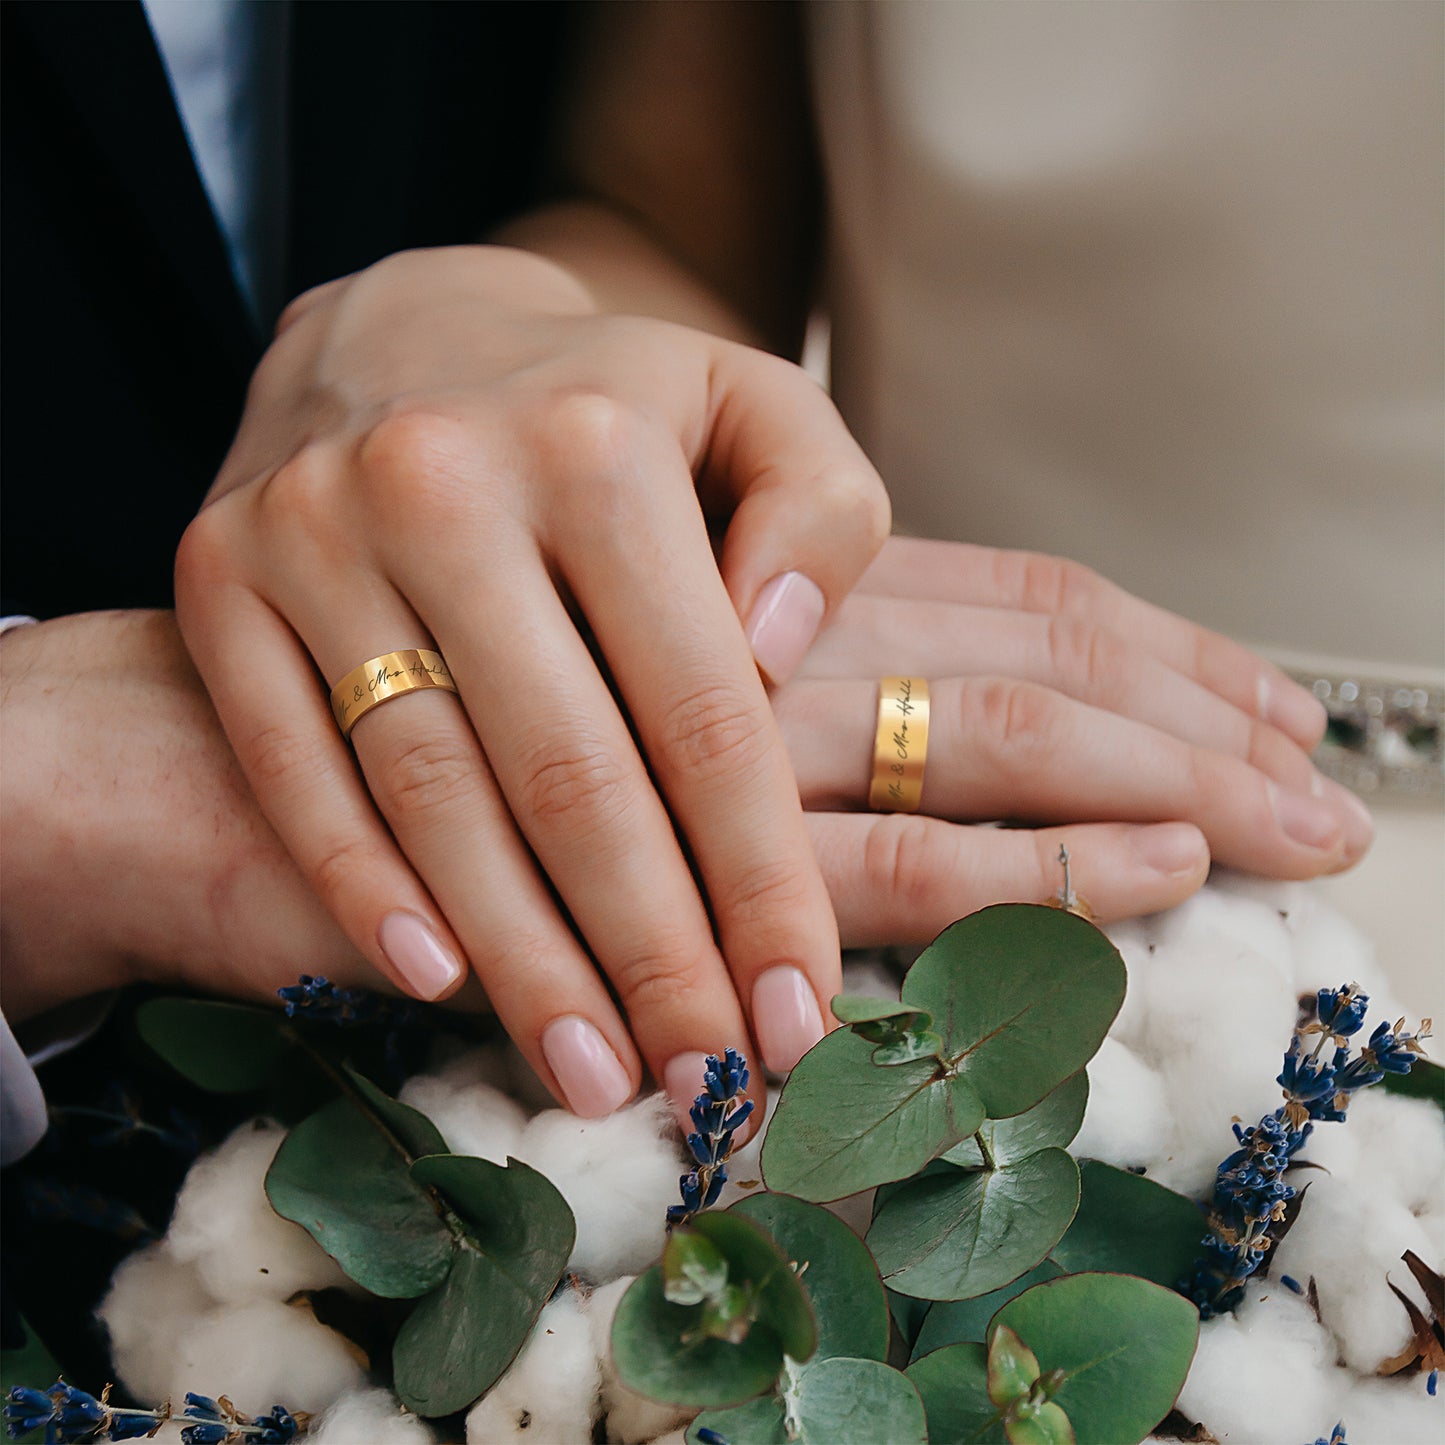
(809, 510)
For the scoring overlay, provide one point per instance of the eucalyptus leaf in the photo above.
(1128, 1224)
(759, 1422)
(1051, 1123)
(660, 1352)
(856, 1402)
(953, 1384)
(416, 1134)
(901, 1034)
(843, 1124)
(228, 1048)
(1023, 996)
(1426, 1080)
(1124, 1344)
(1012, 1367)
(693, 1268)
(836, 1270)
(516, 1235)
(955, 1322)
(663, 1350)
(953, 1236)
(349, 1185)
(1048, 1426)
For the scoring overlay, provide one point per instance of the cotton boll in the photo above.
(869, 974)
(631, 1418)
(550, 1393)
(1403, 1142)
(1264, 1375)
(1394, 1411)
(1251, 911)
(261, 1354)
(224, 1225)
(369, 1417)
(473, 1117)
(1126, 1122)
(1134, 938)
(619, 1174)
(153, 1300)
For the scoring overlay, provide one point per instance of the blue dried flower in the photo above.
(1342, 1010)
(212, 1432)
(1432, 1382)
(717, 1113)
(1337, 1435)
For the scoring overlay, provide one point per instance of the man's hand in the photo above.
(132, 846)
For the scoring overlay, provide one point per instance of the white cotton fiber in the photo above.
(1265, 1375)
(225, 1226)
(631, 1419)
(1126, 1122)
(263, 1354)
(619, 1174)
(474, 1118)
(549, 1395)
(370, 1417)
(153, 1300)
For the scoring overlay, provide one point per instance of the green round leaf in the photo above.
(1051, 1123)
(757, 1263)
(955, 1322)
(759, 1422)
(1128, 1224)
(517, 1233)
(416, 1134)
(844, 1123)
(953, 1384)
(660, 1352)
(856, 1402)
(837, 1273)
(229, 1048)
(1125, 1347)
(1023, 995)
(1012, 1368)
(953, 1236)
(346, 1183)
(1049, 1427)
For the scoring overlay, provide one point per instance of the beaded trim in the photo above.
(1385, 739)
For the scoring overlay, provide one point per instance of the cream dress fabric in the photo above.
(1158, 286)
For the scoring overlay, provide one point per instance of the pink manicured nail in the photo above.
(417, 954)
(1171, 848)
(786, 1017)
(591, 1075)
(783, 623)
(1307, 820)
(1359, 824)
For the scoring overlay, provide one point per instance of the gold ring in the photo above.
(900, 745)
(383, 678)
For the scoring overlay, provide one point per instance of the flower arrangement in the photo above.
(1000, 1289)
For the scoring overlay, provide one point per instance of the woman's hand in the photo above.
(1057, 699)
(452, 450)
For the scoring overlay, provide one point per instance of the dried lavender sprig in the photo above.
(72, 1417)
(1250, 1194)
(717, 1113)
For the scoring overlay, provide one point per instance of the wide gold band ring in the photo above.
(900, 745)
(383, 678)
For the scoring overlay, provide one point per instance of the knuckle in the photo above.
(1016, 718)
(300, 497)
(588, 425)
(714, 731)
(342, 866)
(901, 861)
(203, 556)
(858, 494)
(768, 891)
(658, 978)
(1085, 653)
(1048, 584)
(415, 454)
(427, 775)
(587, 787)
(277, 756)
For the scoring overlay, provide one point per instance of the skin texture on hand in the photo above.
(132, 846)
(454, 450)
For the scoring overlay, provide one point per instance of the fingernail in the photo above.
(682, 1078)
(786, 1017)
(783, 623)
(417, 954)
(1359, 824)
(1171, 848)
(1290, 708)
(1309, 821)
(591, 1075)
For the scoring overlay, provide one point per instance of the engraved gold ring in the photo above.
(900, 745)
(393, 674)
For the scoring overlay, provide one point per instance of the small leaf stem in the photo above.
(988, 1159)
